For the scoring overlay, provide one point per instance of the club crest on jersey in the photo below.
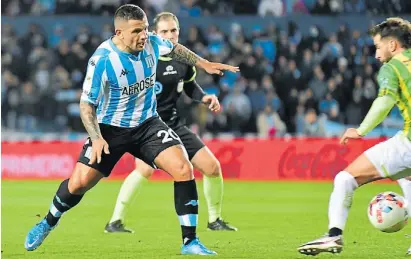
(150, 61)
(169, 71)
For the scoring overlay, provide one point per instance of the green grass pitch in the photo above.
(273, 219)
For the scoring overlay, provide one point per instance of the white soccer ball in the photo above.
(387, 212)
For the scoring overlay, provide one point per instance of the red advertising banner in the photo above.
(276, 159)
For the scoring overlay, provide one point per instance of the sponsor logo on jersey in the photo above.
(139, 86)
(170, 71)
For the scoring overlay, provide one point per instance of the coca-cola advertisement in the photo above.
(260, 160)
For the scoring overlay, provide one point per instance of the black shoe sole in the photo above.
(315, 251)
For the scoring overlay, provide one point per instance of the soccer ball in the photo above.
(387, 212)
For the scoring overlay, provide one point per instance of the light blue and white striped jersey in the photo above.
(121, 84)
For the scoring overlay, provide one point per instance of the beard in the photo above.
(388, 56)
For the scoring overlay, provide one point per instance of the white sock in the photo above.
(406, 191)
(341, 199)
(128, 192)
(213, 192)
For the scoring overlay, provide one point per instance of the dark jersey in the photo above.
(170, 79)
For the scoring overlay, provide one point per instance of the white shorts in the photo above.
(392, 158)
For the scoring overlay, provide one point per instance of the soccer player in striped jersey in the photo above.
(120, 81)
(389, 159)
(172, 78)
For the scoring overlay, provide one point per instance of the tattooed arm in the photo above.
(89, 119)
(186, 56)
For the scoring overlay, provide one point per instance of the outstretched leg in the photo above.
(358, 173)
(68, 195)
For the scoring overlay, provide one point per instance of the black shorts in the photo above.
(144, 142)
(190, 140)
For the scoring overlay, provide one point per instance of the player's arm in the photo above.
(377, 113)
(186, 56)
(90, 96)
(195, 92)
(89, 119)
(92, 90)
(182, 54)
(382, 105)
(191, 88)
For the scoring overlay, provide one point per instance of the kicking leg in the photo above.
(68, 195)
(128, 192)
(358, 173)
(205, 161)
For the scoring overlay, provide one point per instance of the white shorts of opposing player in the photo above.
(392, 158)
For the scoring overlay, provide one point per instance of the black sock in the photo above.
(186, 204)
(62, 202)
(333, 232)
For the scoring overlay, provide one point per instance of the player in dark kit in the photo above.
(172, 78)
(118, 110)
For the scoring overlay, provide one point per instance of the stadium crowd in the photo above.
(207, 7)
(289, 82)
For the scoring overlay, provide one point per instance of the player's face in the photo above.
(134, 34)
(383, 50)
(168, 29)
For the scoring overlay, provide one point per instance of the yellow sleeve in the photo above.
(377, 113)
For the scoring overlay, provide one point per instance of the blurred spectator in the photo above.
(41, 77)
(336, 6)
(313, 125)
(327, 103)
(56, 36)
(317, 84)
(308, 100)
(238, 108)
(256, 97)
(321, 7)
(27, 106)
(354, 6)
(270, 7)
(354, 109)
(332, 49)
(189, 8)
(269, 123)
(11, 100)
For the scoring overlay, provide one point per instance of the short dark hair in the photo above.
(163, 16)
(129, 12)
(396, 28)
